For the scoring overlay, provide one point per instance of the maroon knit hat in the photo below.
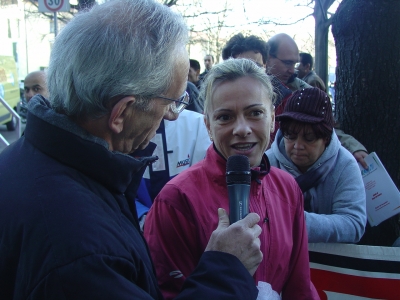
(309, 106)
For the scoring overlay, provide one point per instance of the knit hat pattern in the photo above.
(310, 106)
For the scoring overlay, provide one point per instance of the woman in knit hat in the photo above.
(307, 147)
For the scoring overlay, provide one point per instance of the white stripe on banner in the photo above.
(337, 296)
(358, 251)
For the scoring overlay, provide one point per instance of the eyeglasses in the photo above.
(287, 63)
(309, 138)
(178, 104)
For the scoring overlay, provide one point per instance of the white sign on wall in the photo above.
(53, 5)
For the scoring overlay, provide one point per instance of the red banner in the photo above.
(350, 272)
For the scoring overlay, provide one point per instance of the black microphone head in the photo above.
(238, 170)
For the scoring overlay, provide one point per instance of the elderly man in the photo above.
(35, 83)
(282, 58)
(70, 231)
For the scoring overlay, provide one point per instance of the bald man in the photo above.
(282, 57)
(35, 83)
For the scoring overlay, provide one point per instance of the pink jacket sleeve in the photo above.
(169, 227)
(299, 285)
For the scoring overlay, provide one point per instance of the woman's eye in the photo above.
(310, 138)
(256, 113)
(289, 136)
(223, 118)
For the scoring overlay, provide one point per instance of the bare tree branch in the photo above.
(262, 22)
(228, 26)
(205, 13)
(170, 3)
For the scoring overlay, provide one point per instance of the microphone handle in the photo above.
(238, 201)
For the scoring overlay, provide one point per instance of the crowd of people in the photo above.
(123, 165)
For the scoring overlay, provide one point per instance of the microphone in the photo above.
(238, 179)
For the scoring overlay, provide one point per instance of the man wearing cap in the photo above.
(306, 146)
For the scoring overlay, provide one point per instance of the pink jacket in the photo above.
(184, 215)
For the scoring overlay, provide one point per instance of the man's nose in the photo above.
(28, 95)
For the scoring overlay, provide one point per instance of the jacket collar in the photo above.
(60, 138)
(281, 90)
(308, 76)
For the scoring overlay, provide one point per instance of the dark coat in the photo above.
(68, 226)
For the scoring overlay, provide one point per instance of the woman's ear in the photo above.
(208, 126)
(118, 114)
(207, 122)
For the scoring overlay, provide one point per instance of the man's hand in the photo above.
(239, 239)
(359, 156)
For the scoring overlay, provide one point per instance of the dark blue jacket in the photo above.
(68, 227)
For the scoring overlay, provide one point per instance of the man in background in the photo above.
(250, 47)
(35, 83)
(194, 72)
(306, 73)
(282, 57)
(180, 144)
(208, 63)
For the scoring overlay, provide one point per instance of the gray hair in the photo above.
(230, 70)
(119, 48)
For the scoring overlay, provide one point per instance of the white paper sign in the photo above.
(383, 197)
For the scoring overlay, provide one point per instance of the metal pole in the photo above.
(26, 43)
(55, 24)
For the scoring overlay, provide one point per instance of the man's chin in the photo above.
(285, 79)
(140, 147)
(143, 145)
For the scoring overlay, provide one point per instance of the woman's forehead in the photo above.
(296, 127)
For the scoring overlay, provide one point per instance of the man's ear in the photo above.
(208, 126)
(119, 113)
(308, 67)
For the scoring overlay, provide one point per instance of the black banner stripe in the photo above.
(369, 265)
